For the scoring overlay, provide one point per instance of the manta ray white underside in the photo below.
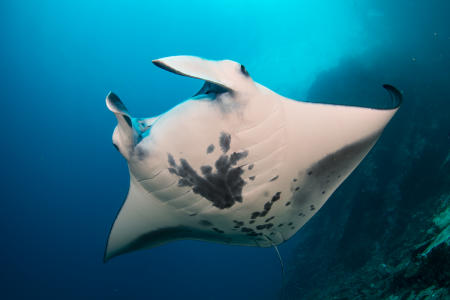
(236, 163)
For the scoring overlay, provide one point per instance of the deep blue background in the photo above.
(63, 182)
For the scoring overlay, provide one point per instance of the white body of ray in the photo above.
(292, 141)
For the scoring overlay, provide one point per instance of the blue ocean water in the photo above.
(62, 180)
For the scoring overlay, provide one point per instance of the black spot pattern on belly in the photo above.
(210, 149)
(250, 231)
(225, 141)
(222, 187)
(269, 219)
(264, 226)
(238, 224)
(267, 206)
(274, 178)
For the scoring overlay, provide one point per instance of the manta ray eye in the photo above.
(244, 71)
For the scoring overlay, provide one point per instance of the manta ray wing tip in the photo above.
(396, 95)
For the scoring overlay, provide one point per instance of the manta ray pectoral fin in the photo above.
(142, 222)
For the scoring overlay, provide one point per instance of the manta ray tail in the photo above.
(278, 254)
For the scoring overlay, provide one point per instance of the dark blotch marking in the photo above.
(292, 227)
(264, 226)
(323, 192)
(297, 188)
(251, 166)
(222, 187)
(273, 179)
(288, 203)
(236, 156)
(264, 213)
(205, 223)
(218, 230)
(238, 223)
(206, 170)
(294, 180)
(301, 215)
(193, 215)
(171, 160)
(255, 214)
(280, 225)
(252, 178)
(310, 173)
(312, 207)
(269, 219)
(290, 223)
(251, 222)
(246, 229)
(210, 149)
(267, 206)
(224, 142)
(276, 196)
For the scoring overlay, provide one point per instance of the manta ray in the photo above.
(236, 163)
